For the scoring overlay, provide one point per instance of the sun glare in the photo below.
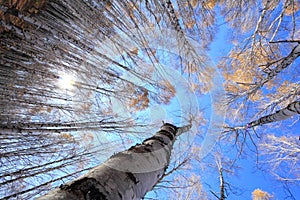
(66, 81)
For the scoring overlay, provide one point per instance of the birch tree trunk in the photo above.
(126, 175)
(282, 114)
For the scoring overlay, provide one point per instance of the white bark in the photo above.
(285, 113)
(127, 175)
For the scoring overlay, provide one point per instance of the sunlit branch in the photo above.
(291, 110)
(279, 19)
(282, 114)
(284, 63)
(279, 151)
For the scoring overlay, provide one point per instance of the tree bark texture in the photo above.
(285, 113)
(126, 175)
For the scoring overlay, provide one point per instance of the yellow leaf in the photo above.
(292, 8)
(270, 5)
(67, 136)
(190, 24)
(134, 51)
(210, 4)
(140, 100)
(231, 88)
(168, 91)
(194, 3)
(256, 96)
(258, 194)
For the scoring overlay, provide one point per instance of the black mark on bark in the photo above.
(87, 187)
(166, 133)
(132, 177)
(120, 195)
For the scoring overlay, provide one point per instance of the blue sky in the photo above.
(185, 102)
(249, 176)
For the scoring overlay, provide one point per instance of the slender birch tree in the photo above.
(67, 66)
(64, 67)
(265, 51)
(291, 110)
(261, 75)
(280, 151)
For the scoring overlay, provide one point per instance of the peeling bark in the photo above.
(127, 175)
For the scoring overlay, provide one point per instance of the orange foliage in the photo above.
(258, 194)
(140, 100)
(270, 84)
(231, 88)
(292, 8)
(246, 65)
(206, 79)
(256, 96)
(190, 24)
(134, 51)
(67, 136)
(270, 5)
(27, 7)
(194, 87)
(242, 77)
(258, 55)
(191, 68)
(210, 4)
(168, 92)
(194, 3)
(285, 88)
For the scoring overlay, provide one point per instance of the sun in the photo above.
(66, 81)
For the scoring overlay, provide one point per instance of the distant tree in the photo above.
(60, 75)
(261, 77)
(223, 168)
(22, 165)
(281, 155)
(262, 81)
(291, 110)
(265, 52)
(66, 67)
(221, 195)
(181, 181)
